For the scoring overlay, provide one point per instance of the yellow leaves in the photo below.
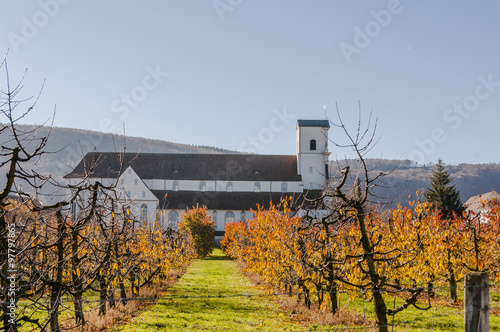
(95, 242)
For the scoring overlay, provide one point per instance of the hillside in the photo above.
(406, 177)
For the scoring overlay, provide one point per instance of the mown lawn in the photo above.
(209, 278)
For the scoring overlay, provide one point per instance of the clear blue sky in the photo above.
(236, 73)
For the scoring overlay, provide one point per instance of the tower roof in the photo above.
(313, 123)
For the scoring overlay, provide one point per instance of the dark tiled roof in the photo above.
(314, 123)
(234, 167)
(220, 200)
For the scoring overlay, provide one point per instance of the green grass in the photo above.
(439, 317)
(26, 308)
(213, 276)
(217, 275)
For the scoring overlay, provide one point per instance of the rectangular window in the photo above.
(310, 170)
(136, 181)
(143, 194)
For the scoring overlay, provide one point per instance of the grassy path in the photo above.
(212, 276)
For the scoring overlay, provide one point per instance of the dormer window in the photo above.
(284, 187)
(256, 187)
(203, 186)
(229, 186)
(312, 145)
(175, 186)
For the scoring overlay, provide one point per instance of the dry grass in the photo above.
(301, 314)
(122, 314)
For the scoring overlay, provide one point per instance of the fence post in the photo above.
(477, 302)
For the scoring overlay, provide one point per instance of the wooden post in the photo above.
(477, 302)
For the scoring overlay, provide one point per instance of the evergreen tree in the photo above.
(442, 194)
(446, 198)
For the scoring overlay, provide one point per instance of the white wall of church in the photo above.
(144, 203)
(236, 186)
(219, 216)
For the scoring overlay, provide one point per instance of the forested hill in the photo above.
(406, 177)
(67, 147)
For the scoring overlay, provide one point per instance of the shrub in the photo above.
(197, 223)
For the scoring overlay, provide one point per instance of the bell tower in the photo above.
(312, 153)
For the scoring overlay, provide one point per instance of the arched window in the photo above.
(284, 187)
(229, 186)
(175, 186)
(256, 187)
(243, 216)
(214, 216)
(144, 212)
(229, 217)
(173, 217)
(203, 186)
(312, 145)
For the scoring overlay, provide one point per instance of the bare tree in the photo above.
(349, 201)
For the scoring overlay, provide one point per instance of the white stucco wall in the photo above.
(311, 163)
(238, 186)
(218, 214)
(131, 187)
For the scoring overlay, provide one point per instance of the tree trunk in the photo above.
(111, 297)
(377, 283)
(451, 280)
(453, 287)
(319, 289)
(56, 289)
(333, 298)
(123, 294)
(103, 295)
(333, 289)
(307, 299)
(77, 282)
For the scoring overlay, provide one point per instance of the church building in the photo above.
(162, 186)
